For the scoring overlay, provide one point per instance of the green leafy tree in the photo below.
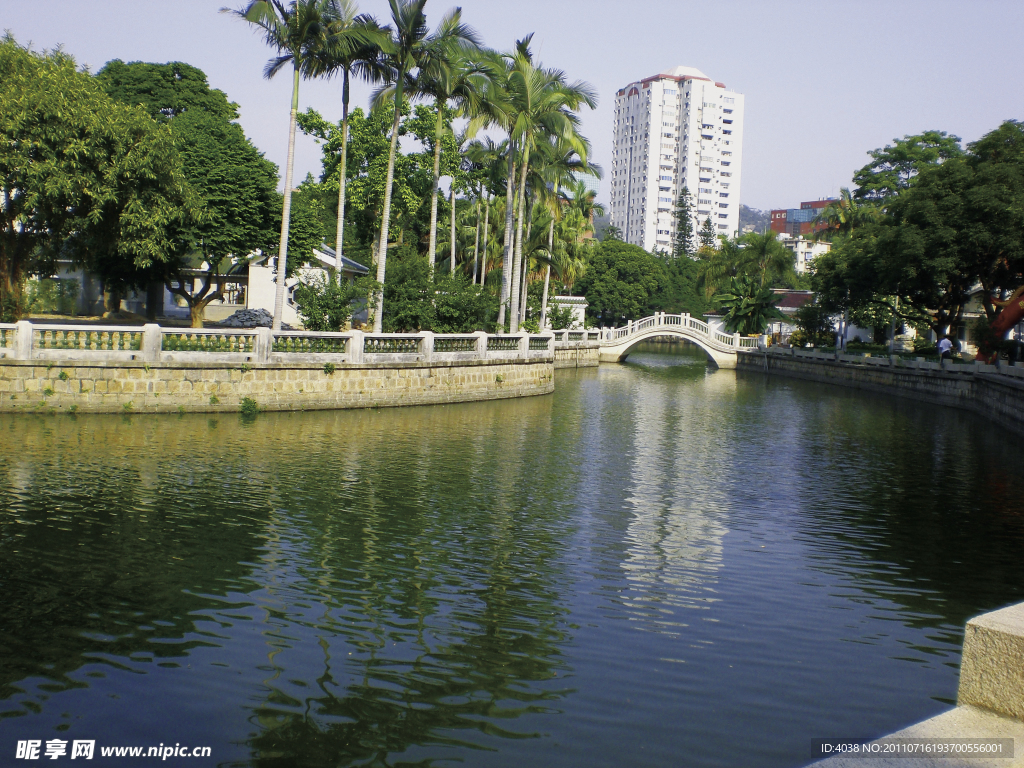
(893, 168)
(165, 91)
(620, 281)
(685, 241)
(815, 324)
(234, 184)
(326, 304)
(681, 291)
(707, 236)
(959, 224)
(83, 176)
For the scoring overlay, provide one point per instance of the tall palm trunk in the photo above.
(476, 242)
(382, 251)
(339, 243)
(525, 162)
(506, 252)
(432, 248)
(487, 221)
(526, 270)
(547, 276)
(452, 269)
(282, 252)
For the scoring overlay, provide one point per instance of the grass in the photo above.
(214, 400)
(329, 369)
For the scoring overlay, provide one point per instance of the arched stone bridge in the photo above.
(615, 343)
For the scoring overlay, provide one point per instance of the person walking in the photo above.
(945, 349)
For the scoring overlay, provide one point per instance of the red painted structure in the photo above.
(799, 221)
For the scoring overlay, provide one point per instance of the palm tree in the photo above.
(353, 47)
(842, 216)
(542, 104)
(765, 257)
(298, 31)
(449, 74)
(561, 165)
(489, 157)
(408, 45)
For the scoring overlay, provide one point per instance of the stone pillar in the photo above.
(152, 342)
(23, 340)
(481, 344)
(356, 345)
(551, 345)
(426, 345)
(264, 344)
(736, 340)
(524, 346)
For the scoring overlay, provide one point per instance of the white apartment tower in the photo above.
(674, 130)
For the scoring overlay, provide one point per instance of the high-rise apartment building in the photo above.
(674, 130)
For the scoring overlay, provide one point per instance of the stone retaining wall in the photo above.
(114, 387)
(995, 396)
(577, 356)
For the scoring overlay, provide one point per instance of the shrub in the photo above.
(329, 369)
(326, 306)
(249, 407)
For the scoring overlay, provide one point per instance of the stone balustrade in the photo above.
(152, 343)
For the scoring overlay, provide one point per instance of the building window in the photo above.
(723, 194)
(723, 215)
(727, 133)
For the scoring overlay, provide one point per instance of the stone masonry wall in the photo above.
(578, 356)
(994, 396)
(76, 386)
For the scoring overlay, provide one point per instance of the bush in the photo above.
(460, 307)
(560, 316)
(325, 306)
(249, 407)
(815, 326)
(51, 296)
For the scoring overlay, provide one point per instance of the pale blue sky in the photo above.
(824, 81)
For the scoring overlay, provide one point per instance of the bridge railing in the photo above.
(684, 322)
(153, 343)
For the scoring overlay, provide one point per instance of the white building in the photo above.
(805, 249)
(674, 130)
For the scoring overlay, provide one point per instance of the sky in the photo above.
(825, 82)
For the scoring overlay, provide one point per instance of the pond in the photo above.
(661, 564)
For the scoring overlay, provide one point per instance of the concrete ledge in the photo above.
(994, 396)
(990, 699)
(959, 723)
(992, 668)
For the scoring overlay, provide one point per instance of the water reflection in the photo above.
(650, 562)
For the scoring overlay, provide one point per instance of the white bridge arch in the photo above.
(615, 343)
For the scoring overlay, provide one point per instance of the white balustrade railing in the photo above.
(684, 322)
(153, 343)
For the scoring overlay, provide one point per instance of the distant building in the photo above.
(805, 249)
(676, 129)
(799, 221)
(590, 183)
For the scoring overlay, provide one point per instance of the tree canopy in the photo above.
(620, 281)
(165, 91)
(84, 177)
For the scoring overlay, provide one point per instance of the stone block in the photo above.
(992, 667)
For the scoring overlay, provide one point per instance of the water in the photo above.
(658, 565)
